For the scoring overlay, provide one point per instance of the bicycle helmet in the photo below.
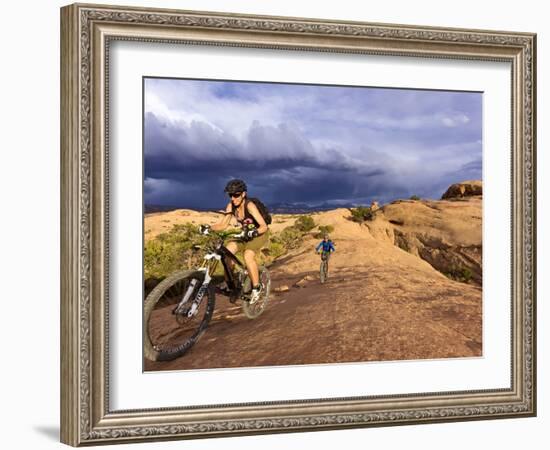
(235, 186)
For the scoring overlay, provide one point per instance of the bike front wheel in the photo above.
(169, 332)
(323, 271)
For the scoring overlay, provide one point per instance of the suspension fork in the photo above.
(207, 269)
(200, 295)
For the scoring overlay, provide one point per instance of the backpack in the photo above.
(262, 208)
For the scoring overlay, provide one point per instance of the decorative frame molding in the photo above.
(86, 32)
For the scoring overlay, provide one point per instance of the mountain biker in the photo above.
(256, 231)
(327, 247)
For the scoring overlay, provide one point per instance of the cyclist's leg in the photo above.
(250, 250)
(252, 266)
(233, 247)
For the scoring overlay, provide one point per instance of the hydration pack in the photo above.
(262, 208)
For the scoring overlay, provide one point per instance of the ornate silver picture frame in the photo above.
(87, 34)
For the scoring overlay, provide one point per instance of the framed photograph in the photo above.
(276, 224)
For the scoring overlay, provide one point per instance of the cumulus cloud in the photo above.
(300, 143)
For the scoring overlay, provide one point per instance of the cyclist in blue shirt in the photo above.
(327, 247)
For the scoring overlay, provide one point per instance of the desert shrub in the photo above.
(304, 224)
(289, 238)
(156, 260)
(414, 197)
(275, 250)
(172, 250)
(466, 274)
(324, 229)
(463, 274)
(361, 214)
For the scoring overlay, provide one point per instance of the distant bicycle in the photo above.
(327, 247)
(179, 308)
(323, 270)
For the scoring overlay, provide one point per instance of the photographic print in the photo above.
(303, 200)
(290, 224)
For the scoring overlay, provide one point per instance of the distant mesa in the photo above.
(150, 208)
(304, 208)
(464, 189)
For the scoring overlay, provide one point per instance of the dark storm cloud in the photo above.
(198, 155)
(305, 144)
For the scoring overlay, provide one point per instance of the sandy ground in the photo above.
(380, 303)
(355, 316)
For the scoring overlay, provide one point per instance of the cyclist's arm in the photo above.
(317, 248)
(332, 247)
(253, 210)
(224, 222)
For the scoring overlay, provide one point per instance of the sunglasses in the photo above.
(235, 194)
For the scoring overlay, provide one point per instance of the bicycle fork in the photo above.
(198, 298)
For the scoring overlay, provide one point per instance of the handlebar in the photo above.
(230, 234)
(223, 234)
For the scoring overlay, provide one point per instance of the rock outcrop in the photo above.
(446, 234)
(464, 189)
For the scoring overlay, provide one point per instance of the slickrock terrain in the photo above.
(404, 285)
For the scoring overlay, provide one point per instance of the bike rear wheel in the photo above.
(168, 335)
(253, 311)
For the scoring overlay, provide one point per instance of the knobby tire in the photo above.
(181, 345)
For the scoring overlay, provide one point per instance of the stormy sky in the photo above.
(312, 144)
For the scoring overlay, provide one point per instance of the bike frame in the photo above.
(222, 253)
(226, 255)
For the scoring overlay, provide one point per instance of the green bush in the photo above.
(289, 238)
(304, 223)
(275, 250)
(361, 214)
(466, 274)
(463, 274)
(324, 229)
(172, 251)
(414, 197)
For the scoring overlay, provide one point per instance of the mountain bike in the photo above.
(323, 270)
(179, 308)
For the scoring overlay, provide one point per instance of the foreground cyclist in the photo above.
(254, 224)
